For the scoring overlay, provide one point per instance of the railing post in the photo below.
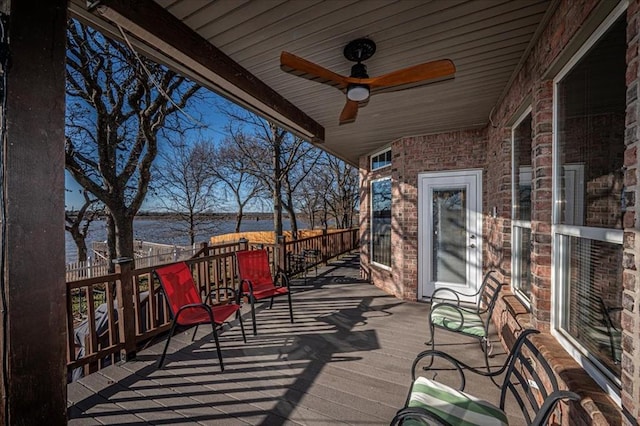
(325, 248)
(204, 248)
(126, 314)
(243, 244)
(281, 250)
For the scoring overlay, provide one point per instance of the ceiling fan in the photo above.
(359, 86)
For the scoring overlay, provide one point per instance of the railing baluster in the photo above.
(91, 346)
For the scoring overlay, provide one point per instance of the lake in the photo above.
(167, 231)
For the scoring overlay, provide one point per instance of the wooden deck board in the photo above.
(345, 360)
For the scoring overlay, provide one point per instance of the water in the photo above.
(167, 231)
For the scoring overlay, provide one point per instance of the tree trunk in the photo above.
(293, 218)
(123, 227)
(81, 245)
(325, 217)
(192, 228)
(277, 193)
(239, 218)
(111, 241)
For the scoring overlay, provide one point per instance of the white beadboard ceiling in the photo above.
(486, 39)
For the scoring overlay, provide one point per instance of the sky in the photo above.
(210, 116)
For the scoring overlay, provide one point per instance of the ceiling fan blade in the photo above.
(302, 68)
(414, 74)
(349, 112)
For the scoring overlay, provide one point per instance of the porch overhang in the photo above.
(233, 48)
(177, 45)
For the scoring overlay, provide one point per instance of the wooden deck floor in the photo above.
(345, 360)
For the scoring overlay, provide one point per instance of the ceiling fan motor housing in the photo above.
(359, 71)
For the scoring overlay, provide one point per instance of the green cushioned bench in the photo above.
(473, 321)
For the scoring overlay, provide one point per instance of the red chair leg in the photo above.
(239, 316)
(253, 316)
(290, 307)
(166, 346)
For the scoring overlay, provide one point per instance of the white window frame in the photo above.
(515, 240)
(377, 264)
(559, 231)
(384, 151)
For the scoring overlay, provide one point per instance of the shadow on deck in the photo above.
(345, 360)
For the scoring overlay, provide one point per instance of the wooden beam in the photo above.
(151, 23)
(33, 352)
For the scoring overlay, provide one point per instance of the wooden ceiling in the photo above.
(486, 39)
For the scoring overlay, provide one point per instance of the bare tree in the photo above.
(230, 167)
(312, 198)
(331, 190)
(303, 158)
(77, 223)
(118, 106)
(343, 193)
(275, 157)
(185, 185)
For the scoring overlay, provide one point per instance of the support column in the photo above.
(541, 200)
(33, 321)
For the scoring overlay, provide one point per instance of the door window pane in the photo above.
(449, 235)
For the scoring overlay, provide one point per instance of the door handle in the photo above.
(472, 245)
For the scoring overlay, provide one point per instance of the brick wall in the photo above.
(631, 295)
(411, 156)
(490, 149)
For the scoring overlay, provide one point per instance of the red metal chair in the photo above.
(187, 308)
(257, 283)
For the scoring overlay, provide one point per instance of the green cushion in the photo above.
(456, 407)
(448, 316)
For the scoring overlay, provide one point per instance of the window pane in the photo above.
(522, 264)
(591, 116)
(593, 291)
(381, 221)
(381, 160)
(522, 166)
(522, 178)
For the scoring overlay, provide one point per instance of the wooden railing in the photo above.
(102, 329)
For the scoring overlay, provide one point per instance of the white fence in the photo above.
(146, 254)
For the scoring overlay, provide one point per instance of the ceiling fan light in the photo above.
(357, 92)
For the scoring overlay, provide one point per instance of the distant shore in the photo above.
(210, 216)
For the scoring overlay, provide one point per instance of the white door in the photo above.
(449, 231)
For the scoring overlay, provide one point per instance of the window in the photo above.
(381, 160)
(521, 213)
(381, 221)
(588, 192)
